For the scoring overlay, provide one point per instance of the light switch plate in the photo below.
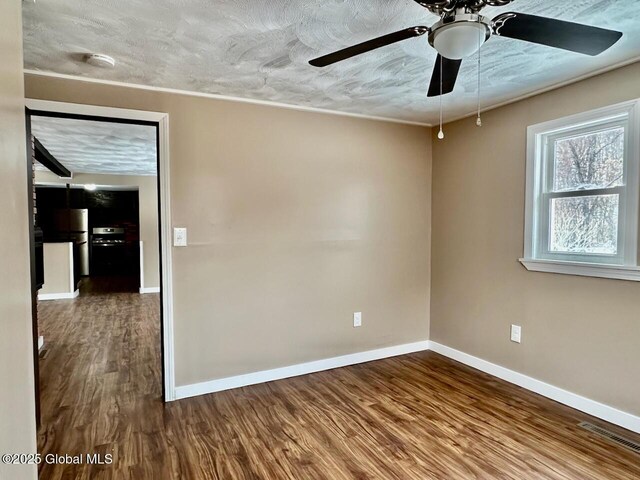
(180, 237)
(357, 319)
(516, 333)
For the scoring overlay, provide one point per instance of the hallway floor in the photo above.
(418, 416)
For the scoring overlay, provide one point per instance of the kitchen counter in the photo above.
(61, 240)
(60, 271)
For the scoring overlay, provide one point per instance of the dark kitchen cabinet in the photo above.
(107, 208)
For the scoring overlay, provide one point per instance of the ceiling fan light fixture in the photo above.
(460, 36)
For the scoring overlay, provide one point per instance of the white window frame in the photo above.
(623, 265)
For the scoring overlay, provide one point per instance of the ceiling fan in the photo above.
(461, 31)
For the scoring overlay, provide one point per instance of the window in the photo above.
(583, 174)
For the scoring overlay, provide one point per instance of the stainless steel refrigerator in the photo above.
(73, 223)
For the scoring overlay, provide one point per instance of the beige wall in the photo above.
(17, 411)
(579, 333)
(295, 219)
(58, 269)
(148, 200)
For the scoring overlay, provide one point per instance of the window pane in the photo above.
(584, 224)
(593, 160)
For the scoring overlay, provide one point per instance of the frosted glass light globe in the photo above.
(459, 40)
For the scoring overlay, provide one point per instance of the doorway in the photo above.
(104, 239)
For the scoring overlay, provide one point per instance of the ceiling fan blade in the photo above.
(450, 69)
(574, 37)
(368, 46)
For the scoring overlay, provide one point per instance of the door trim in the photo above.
(164, 193)
(32, 261)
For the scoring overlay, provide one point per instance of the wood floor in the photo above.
(418, 416)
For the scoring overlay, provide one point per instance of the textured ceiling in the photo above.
(259, 50)
(85, 146)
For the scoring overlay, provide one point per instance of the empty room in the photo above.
(322, 240)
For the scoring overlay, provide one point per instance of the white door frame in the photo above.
(165, 211)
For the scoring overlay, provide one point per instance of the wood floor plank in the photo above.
(418, 416)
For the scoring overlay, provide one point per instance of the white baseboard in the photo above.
(591, 407)
(228, 383)
(596, 409)
(150, 290)
(58, 296)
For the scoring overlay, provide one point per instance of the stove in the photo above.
(106, 242)
(109, 251)
(107, 235)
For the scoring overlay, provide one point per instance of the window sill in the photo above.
(618, 272)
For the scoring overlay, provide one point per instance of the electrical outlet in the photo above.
(516, 333)
(357, 319)
(179, 237)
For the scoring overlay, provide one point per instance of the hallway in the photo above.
(100, 371)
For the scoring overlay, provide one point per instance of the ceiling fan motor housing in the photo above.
(443, 7)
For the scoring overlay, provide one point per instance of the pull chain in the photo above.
(441, 133)
(479, 119)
